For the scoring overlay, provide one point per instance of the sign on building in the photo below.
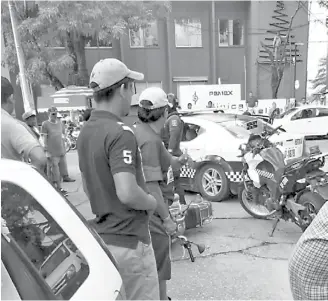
(209, 96)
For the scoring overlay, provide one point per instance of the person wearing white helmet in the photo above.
(158, 165)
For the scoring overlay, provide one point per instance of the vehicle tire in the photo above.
(211, 172)
(73, 145)
(313, 203)
(257, 211)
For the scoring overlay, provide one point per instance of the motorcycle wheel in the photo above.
(312, 202)
(67, 145)
(256, 210)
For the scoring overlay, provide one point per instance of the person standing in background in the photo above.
(63, 169)
(17, 142)
(171, 135)
(252, 101)
(273, 112)
(52, 131)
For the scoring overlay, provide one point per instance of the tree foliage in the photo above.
(278, 63)
(323, 3)
(320, 81)
(70, 23)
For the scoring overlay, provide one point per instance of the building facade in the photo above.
(210, 42)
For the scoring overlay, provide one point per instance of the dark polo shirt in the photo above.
(107, 146)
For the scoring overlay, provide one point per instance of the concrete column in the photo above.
(252, 49)
(121, 49)
(213, 44)
(327, 62)
(169, 40)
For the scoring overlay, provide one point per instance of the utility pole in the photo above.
(327, 61)
(295, 61)
(26, 92)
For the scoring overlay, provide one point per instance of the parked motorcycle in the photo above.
(71, 138)
(293, 192)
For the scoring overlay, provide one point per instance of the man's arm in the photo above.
(175, 133)
(28, 147)
(122, 153)
(176, 162)
(161, 209)
(152, 167)
(44, 133)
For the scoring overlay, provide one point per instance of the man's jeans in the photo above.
(138, 271)
(53, 172)
(63, 166)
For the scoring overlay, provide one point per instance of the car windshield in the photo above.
(54, 260)
(238, 128)
(290, 111)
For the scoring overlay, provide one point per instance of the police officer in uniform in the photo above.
(171, 136)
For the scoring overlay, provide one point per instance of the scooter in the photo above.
(293, 192)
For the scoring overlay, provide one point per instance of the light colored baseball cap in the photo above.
(110, 71)
(156, 96)
(28, 114)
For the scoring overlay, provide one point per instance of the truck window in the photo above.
(43, 241)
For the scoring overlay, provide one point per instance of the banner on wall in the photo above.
(198, 97)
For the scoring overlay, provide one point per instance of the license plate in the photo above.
(290, 153)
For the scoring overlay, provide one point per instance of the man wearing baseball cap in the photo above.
(112, 178)
(52, 131)
(17, 143)
(157, 166)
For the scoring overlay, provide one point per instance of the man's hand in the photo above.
(169, 225)
(185, 158)
(48, 155)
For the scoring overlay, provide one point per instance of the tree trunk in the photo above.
(274, 81)
(71, 52)
(82, 75)
(76, 49)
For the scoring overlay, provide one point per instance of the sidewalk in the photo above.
(76, 195)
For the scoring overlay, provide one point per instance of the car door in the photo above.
(40, 220)
(303, 122)
(322, 121)
(194, 140)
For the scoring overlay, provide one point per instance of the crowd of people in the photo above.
(131, 175)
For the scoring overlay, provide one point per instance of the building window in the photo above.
(139, 87)
(188, 33)
(231, 33)
(144, 37)
(95, 42)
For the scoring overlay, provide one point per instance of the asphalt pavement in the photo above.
(241, 260)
